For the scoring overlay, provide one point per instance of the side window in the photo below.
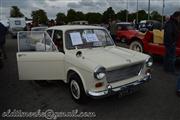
(50, 33)
(58, 40)
(119, 27)
(48, 43)
(27, 40)
(33, 41)
(124, 27)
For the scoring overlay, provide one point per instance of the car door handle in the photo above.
(20, 55)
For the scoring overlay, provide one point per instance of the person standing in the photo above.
(3, 31)
(178, 87)
(113, 28)
(170, 39)
(178, 81)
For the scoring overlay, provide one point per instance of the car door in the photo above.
(39, 59)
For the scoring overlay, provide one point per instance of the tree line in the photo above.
(40, 16)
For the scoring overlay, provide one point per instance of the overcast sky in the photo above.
(52, 7)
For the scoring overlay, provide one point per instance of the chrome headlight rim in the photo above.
(99, 73)
(149, 62)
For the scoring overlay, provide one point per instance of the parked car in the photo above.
(16, 25)
(125, 32)
(152, 43)
(86, 58)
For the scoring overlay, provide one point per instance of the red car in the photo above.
(125, 32)
(146, 44)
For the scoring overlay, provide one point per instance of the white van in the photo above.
(16, 24)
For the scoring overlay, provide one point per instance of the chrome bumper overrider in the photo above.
(110, 90)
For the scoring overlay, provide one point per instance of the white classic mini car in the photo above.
(85, 57)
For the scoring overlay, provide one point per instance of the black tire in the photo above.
(77, 90)
(136, 46)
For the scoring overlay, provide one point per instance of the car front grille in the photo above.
(124, 73)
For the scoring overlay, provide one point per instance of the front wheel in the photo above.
(136, 46)
(77, 90)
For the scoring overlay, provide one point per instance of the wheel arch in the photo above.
(136, 39)
(83, 98)
(70, 73)
(123, 36)
(73, 71)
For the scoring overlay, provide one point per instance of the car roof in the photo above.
(124, 23)
(73, 27)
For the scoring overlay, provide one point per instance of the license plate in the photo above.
(127, 91)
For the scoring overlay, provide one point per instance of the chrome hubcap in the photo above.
(75, 90)
(136, 47)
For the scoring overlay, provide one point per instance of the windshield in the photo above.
(87, 38)
(126, 27)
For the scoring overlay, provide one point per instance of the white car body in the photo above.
(55, 65)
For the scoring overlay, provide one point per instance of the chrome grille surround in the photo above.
(123, 73)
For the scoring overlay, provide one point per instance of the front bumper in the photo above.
(110, 91)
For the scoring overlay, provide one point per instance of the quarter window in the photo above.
(50, 33)
(58, 40)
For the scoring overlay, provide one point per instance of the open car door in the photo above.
(38, 57)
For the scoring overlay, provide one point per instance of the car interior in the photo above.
(58, 40)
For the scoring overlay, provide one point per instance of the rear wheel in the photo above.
(136, 46)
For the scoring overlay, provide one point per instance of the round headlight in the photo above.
(99, 73)
(100, 76)
(149, 62)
